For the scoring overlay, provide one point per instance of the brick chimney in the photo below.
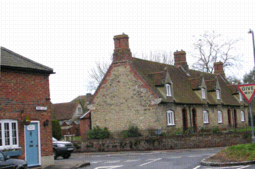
(121, 48)
(180, 60)
(218, 69)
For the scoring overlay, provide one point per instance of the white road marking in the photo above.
(109, 167)
(237, 167)
(112, 161)
(195, 156)
(131, 161)
(150, 162)
(175, 157)
(197, 167)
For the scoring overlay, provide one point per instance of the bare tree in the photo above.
(97, 73)
(211, 47)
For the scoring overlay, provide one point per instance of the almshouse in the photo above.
(154, 95)
(25, 115)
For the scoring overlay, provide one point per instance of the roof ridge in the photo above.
(24, 58)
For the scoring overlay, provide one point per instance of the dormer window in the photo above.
(203, 93)
(168, 90)
(240, 97)
(218, 94)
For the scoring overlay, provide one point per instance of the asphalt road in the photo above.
(171, 159)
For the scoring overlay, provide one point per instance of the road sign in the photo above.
(247, 91)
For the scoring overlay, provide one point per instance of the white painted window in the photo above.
(240, 97)
(170, 117)
(218, 94)
(219, 117)
(242, 116)
(205, 116)
(168, 90)
(203, 93)
(9, 134)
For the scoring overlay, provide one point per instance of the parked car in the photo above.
(62, 148)
(7, 162)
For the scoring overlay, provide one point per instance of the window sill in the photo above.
(206, 123)
(220, 122)
(13, 153)
(171, 125)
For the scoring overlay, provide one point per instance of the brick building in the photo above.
(24, 98)
(73, 116)
(68, 116)
(154, 95)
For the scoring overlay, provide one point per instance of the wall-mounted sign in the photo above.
(40, 108)
(31, 127)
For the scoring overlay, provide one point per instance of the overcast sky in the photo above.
(70, 36)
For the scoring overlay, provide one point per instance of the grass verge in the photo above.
(237, 153)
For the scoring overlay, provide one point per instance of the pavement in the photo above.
(75, 164)
(204, 162)
(68, 164)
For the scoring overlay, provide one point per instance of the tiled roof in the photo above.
(64, 111)
(79, 98)
(12, 60)
(183, 84)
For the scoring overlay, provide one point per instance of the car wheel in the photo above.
(55, 154)
(66, 156)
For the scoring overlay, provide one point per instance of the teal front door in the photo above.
(31, 139)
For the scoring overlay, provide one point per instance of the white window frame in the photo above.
(218, 94)
(203, 93)
(168, 90)
(220, 117)
(242, 115)
(205, 117)
(170, 118)
(240, 97)
(10, 132)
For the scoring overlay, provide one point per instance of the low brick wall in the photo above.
(162, 142)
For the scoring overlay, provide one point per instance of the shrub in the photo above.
(215, 130)
(132, 131)
(56, 129)
(98, 133)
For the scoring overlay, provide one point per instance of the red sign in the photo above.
(247, 91)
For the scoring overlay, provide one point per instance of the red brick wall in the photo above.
(84, 126)
(20, 93)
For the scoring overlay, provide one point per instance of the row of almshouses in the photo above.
(153, 95)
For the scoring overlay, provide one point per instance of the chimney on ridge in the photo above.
(121, 48)
(218, 69)
(180, 60)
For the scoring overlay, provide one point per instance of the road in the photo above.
(172, 159)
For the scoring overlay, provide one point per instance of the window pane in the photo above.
(242, 116)
(14, 134)
(7, 133)
(203, 93)
(168, 90)
(1, 141)
(218, 94)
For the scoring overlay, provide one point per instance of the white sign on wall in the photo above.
(30, 127)
(40, 108)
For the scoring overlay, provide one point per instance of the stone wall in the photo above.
(163, 143)
(123, 100)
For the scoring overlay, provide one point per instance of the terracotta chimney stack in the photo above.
(218, 69)
(121, 48)
(180, 60)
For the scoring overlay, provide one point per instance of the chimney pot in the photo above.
(121, 48)
(218, 69)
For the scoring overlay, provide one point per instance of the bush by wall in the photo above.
(132, 131)
(56, 129)
(98, 133)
